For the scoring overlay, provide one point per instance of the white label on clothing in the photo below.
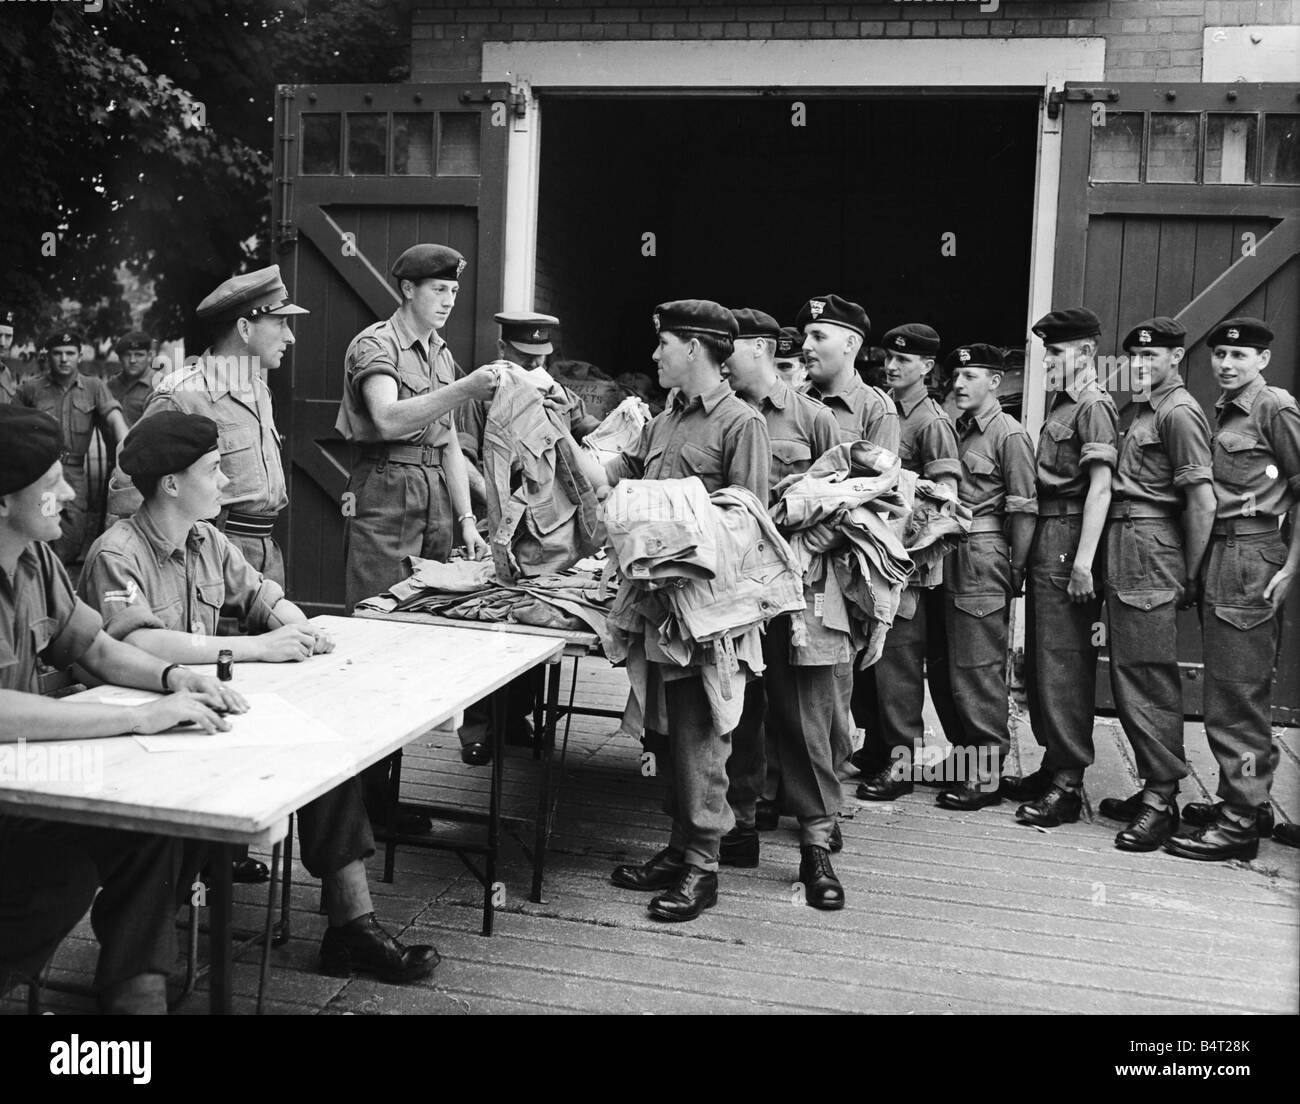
(819, 604)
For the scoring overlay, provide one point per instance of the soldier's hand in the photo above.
(1017, 579)
(287, 644)
(1278, 586)
(1191, 592)
(211, 692)
(324, 642)
(481, 384)
(175, 709)
(476, 548)
(1081, 588)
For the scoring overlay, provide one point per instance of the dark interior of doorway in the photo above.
(750, 210)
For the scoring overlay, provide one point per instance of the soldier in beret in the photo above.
(705, 431)
(916, 647)
(986, 570)
(1161, 511)
(1250, 570)
(810, 685)
(790, 363)
(132, 384)
(8, 381)
(160, 580)
(1077, 451)
(50, 872)
(80, 404)
(408, 494)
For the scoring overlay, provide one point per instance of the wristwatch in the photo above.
(167, 674)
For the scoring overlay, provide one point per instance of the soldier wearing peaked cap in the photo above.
(80, 404)
(1077, 451)
(8, 381)
(132, 384)
(408, 493)
(789, 357)
(1161, 511)
(1250, 569)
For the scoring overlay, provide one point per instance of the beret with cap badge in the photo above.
(1156, 333)
(167, 442)
(836, 310)
(755, 323)
(975, 355)
(911, 337)
(1250, 333)
(427, 261)
(789, 344)
(64, 336)
(133, 339)
(30, 441)
(695, 316)
(1067, 324)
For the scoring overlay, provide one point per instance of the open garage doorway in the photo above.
(919, 207)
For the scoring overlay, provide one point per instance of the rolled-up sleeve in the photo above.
(1097, 425)
(370, 356)
(1284, 431)
(1017, 458)
(1186, 438)
(247, 589)
(112, 584)
(939, 447)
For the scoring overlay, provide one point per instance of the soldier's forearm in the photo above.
(1022, 536)
(182, 647)
(1095, 507)
(31, 718)
(1198, 521)
(402, 417)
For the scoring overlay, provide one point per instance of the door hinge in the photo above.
(1057, 97)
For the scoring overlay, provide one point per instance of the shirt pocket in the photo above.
(789, 458)
(412, 380)
(82, 418)
(1059, 448)
(1147, 460)
(704, 461)
(1239, 458)
(209, 600)
(42, 630)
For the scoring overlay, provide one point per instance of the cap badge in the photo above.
(900, 341)
(963, 355)
(537, 335)
(460, 267)
(816, 306)
(1144, 336)
(1234, 333)
(656, 320)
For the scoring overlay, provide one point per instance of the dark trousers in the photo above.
(695, 790)
(977, 582)
(916, 651)
(334, 830)
(1241, 633)
(49, 873)
(1144, 581)
(1061, 640)
(521, 699)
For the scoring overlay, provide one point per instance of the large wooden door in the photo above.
(1184, 200)
(361, 173)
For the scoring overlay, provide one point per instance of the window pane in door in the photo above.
(1281, 149)
(413, 144)
(458, 141)
(320, 144)
(1230, 149)
(1117, 147)
(367, 144)
(1172, 156)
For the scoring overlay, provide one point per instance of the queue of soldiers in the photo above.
(1169, 515)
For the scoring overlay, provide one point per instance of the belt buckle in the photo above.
(426, 455)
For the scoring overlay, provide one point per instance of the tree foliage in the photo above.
(141, 135)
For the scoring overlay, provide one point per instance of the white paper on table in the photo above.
(271, 721)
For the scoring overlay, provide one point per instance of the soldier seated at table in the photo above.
(161, 579)
(50, 872)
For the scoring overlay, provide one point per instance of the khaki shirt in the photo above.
(864, 413)
(927, 444)
(79, 408)
(8, 385)
(132, 394)
(1256, 452)
(471, 418)
(718, 437)
(248, 439)
(997, 462)
(800, 429)
(1082, 427)
(138, 579)
(40, 618)
(418, 363)
(1166, 448)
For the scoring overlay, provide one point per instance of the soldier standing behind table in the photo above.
(1248, 574)
(80, 404)
(987, 569)
(8, 380)
(132, 384)
(1161, 511)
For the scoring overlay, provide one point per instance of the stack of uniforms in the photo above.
(702, 574)
(898, 528)
(619, 432)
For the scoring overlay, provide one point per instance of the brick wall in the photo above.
(1145, 39)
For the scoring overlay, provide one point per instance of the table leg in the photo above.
(219, 901)
(546, 743)
(497, 705)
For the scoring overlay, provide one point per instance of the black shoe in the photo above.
(1202, 813)
(739, 847)
(659, 872)
(837, 839)
(1054, 808)
(475, 755)
(939, 774)
(1030, 787)
(1125, 809)
(362, 946)
(867, 762)
(519, 733)
(409, 823)
(1149, 829)
(766, 815)
(695, 891)
(968, 796)
(1224, 839)
(821, 888)
(1287, 833)
(884, 786)
(249, 871)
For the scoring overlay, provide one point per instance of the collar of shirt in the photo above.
(709, 400)
(407, 338)
(163, 549)
(845, 398)
(911, 399)
(57, 386)
(778, 397)
(981, 418)
(139, 381)
(1083, 381)
(1245, 398)
(27, 563)
(1158, 396)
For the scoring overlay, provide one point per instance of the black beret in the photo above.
(134, 339)
(1069, 324)
(975, 355)
(63, 336)
(247, 295)
(30, 441)
(429, 262)
(911, 337)
(755, 323)
(789, 344)
(832, 308)
(1156, 333)
(1251, 333)
(695, 316)
(167, 442)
